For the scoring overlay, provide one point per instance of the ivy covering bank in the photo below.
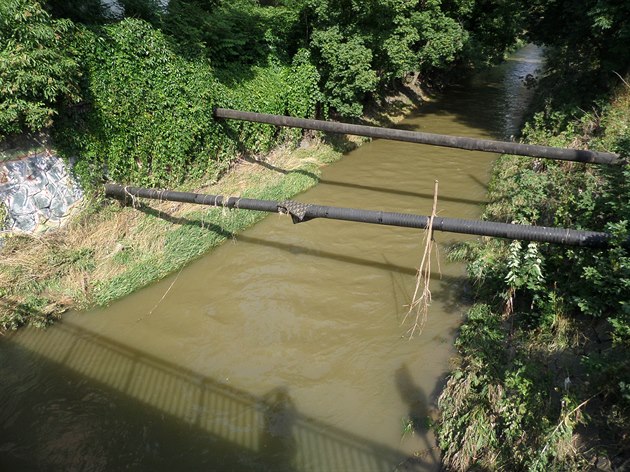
(131, 89)
(149, 117)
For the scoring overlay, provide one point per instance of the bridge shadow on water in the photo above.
(107, 406)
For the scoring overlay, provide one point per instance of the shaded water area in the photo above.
(283, 349)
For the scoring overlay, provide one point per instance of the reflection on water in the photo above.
(499, 99)
(280, 350)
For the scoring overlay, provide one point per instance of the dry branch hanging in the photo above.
(421, 299)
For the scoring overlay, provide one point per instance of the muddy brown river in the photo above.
(284, 349)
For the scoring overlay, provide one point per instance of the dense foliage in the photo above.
(596, 33)
(542, 382)
(356, 49)
(148, 117)
(37, 69)
(150, 111)
(386, 40)
(546, 347)
(587, 44)
(149, 82)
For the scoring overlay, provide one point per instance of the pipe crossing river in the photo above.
(471, 144)
(306, 211)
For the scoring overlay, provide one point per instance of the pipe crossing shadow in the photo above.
(267, 432)
(291, 248)
(262, 163)
(451, 288)
(405, 193)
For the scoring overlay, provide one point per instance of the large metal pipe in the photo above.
(305, 211)
(471, 144)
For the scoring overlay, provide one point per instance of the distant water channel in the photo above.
(283, 349)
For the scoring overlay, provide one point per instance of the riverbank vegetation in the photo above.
(108, 251)
(129, 92)
(543, 374)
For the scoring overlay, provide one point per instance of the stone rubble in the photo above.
(38, 193)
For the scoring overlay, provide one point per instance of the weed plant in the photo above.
(542, 380)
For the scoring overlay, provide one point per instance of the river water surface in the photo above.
(284, 348)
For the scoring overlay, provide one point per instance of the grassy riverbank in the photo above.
(542, 381)
(109, 250)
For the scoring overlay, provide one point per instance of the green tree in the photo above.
(239, 31)
(381, 41)
(494, 27)
(346, 68)
(586, 38)
(442, 36)
(36, 68)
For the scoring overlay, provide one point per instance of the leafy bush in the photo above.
(149, 113)
(37, 69)
(559, 315)
(88, 12)
(148, 116)
(593, 38)
(239, 31)
(346, 69)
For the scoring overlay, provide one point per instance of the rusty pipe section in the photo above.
(471, 144)
(304, 212)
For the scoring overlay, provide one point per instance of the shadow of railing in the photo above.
(266, 427)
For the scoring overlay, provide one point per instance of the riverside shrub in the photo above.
(148, 116)
(37, 69)
(560, 315)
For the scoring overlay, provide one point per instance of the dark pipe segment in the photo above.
(569, 237)
(471, 144)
